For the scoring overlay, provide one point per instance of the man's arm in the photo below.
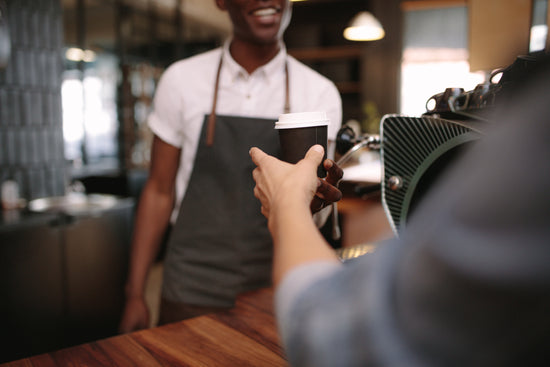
(152, 219)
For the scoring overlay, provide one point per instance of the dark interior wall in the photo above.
(369, 80)
(382, 69)
(318, 26)
(321, 23)
(31, 131)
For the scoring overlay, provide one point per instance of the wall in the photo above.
(499, 32)
(31, 133)
(366, 73)
(381, 70)
(315, 37)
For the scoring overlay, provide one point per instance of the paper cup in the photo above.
(300, 131)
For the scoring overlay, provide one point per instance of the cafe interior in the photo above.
(77, 81)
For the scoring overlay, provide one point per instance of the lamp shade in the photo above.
(364, 27)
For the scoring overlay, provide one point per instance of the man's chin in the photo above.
(268, 37)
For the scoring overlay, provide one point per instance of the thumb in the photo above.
(257, 155)
(315, 155)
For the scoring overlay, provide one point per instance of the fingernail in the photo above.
(318, 148)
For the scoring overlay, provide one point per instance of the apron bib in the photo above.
(220, 245)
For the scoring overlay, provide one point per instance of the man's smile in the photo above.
(266, 11)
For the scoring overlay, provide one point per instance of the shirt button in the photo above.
(248, 96)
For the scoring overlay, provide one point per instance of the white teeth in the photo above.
(265, 12)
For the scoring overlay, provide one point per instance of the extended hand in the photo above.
(278, 182)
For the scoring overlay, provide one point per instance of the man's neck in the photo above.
(252, 56)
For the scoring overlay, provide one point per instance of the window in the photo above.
(435, 56)
(90, 124)
(539, 29)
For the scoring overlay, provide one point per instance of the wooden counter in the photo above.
(243, 336)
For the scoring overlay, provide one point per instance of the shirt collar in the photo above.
(269, 70)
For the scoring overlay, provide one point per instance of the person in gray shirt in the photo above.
(466, 284)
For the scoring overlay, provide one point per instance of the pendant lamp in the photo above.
(364, 27)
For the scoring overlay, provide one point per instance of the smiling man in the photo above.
(208, 111)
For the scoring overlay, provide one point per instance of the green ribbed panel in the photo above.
(409, 146)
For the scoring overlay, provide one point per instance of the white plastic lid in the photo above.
(302, 119)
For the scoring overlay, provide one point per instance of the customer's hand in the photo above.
(285, 191)
(278, 182)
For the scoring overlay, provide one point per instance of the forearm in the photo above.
(152, 219)
(296, 241)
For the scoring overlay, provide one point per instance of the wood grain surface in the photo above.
(243, 336)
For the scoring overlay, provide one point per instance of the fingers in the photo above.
(315, 154)
(257, 155)
(271, 172)
(325, 195)
(317, 204)
(334, 172)
(265, 211)
(328, 192)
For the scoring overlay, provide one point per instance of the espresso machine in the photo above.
(415, 150)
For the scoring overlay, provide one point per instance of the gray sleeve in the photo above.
(294, 284)
(467, 284)
(318, 330)
(474, 282)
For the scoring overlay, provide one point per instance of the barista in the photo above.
(208, 111)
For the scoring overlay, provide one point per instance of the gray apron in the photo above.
(220, 245)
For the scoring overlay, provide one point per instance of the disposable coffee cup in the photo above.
(300, 131)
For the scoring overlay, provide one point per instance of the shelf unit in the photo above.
(315, 37)
(324, 55)
(342, 65)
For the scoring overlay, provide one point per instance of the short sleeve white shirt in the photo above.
(185, 94)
